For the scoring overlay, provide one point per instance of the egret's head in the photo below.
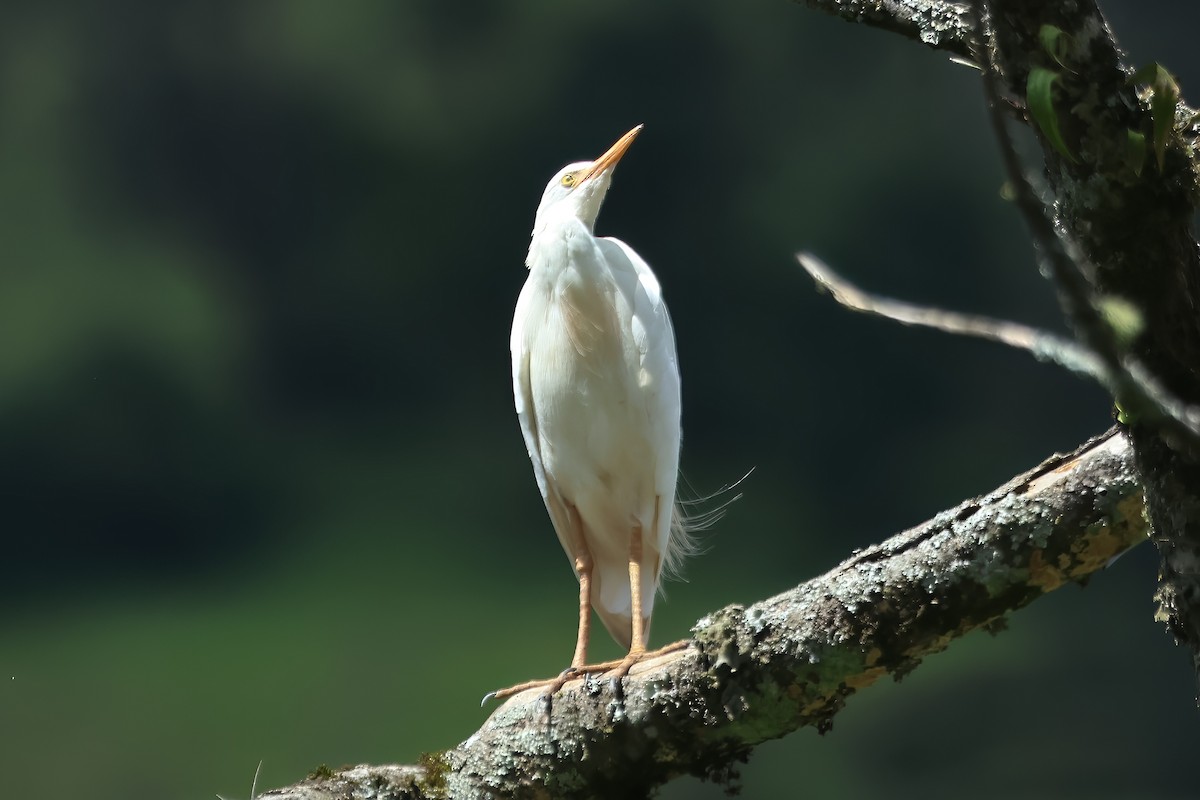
(578, 189)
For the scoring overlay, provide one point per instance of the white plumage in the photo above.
(596, 384)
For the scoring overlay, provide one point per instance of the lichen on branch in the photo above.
(759, 672)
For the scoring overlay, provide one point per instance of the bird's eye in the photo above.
(568, 180)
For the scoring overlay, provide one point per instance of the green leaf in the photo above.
(1145, 74)
(1056, 42)
(1123, 416)
(1163, 101)
(1039, 96)
(1122, 316)
(1135, 151)
(1162, 109)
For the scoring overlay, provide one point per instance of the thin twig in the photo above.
(1045, 346)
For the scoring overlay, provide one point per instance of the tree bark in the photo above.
(758, 673)
(941, 25)
(1130, 213)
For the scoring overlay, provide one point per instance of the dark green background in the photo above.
(263, 492)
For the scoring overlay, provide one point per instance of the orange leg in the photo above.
(637, 648)
(583, 568)
(638, 640)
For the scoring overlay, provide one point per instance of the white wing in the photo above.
(529, 313)
(522, 392)
(654, 337)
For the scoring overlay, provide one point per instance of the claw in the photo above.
(617, 669)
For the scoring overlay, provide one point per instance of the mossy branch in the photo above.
(1116, 231)
(793, 660)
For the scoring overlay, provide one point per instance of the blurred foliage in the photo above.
(264, 494)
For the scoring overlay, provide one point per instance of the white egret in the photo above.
(596, 383)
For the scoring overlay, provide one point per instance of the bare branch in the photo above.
(757, 673)
(1044, 346)
(941, 25)
(1128, 377)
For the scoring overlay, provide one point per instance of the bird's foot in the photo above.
(552, 685)
(618, 668)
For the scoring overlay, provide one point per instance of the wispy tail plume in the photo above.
(690, 517)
